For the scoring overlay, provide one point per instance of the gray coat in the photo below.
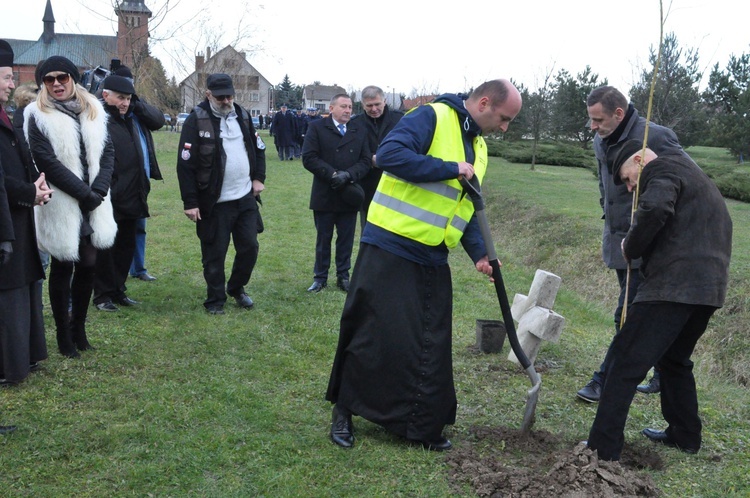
(683, 232)
(615, 200)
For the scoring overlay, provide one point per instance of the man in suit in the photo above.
(338, 156)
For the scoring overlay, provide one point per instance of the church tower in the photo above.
(132, 32)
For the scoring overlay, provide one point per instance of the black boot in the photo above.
(59, 298)
(81, 290)
(65, 342)
(62, 322)
(78, 333)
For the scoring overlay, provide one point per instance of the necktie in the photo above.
(342, 129)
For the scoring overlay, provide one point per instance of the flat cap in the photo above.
(623, 153)
(119, 84)
(220, 84)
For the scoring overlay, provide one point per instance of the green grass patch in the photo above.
(175, 402)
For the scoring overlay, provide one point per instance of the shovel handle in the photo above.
(474, 190)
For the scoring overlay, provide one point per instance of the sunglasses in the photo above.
(61, 78)
(221, 98)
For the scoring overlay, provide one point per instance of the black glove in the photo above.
(340, 179)
(6, 249)
(91, 201)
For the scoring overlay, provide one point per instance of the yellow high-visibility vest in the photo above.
(435, 212)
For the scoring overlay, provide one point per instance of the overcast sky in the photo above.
(416, 45)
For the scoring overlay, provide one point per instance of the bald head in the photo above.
(494, 104)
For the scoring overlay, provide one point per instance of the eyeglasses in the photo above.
(222, 98)
(61, 78)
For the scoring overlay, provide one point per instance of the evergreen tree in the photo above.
(677, 101)
(569, 117)
(727, 99)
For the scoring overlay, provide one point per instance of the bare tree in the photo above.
(178, 34)
(538, 112)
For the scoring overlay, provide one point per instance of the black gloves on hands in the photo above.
(6, 249)
(91, 201)
(340, 179)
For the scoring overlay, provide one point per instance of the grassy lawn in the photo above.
(175, 402)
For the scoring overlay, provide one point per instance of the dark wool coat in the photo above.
(25, 266)
(284, 129)
(6, 224)
(683, 232)
(615, 200)
(325, 152)
(129, 187)
(377, 129)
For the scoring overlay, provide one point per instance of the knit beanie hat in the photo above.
(57, 63)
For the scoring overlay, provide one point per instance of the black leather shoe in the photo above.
(126, 301)
(317, 286)
(440, 444)
(244, 301)
(653, 386)
(343, 284)
(145, 277)
(6, 429)
(591, 392)
(107, 306)
(342, 430)
(215, 310)
(664, 438)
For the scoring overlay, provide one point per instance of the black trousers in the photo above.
(632, 288)
(345, 225)
(236, 221)
(71, 283)
(113, 264)
(655, 333)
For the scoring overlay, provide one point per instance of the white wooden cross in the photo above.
(536, 320)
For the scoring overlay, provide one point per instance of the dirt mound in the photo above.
(501, 462)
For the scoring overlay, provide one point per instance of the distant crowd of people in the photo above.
(75, 178)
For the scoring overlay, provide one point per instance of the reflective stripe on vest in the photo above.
(436, 212)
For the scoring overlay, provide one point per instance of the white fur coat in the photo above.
(58, 223)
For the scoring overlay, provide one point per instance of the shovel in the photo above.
(475, 193)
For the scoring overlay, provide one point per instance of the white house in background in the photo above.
(252, 90)
(319, 96)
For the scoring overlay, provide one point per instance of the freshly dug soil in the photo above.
(501, 462)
